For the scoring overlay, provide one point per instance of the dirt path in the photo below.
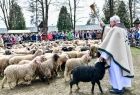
(58, 87)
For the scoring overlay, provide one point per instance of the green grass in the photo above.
(135, 51)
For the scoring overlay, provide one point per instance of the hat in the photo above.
(137, 21)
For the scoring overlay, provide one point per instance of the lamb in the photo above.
(91, 74)
(14, 73)
(75, 62)
(17, 59)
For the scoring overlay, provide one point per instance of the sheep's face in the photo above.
(48, 73)
(93, 51)
(86, 58)
(39, 52)
(43, 58)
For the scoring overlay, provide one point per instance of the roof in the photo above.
(53, 28)
(19, 31)
(78, 27)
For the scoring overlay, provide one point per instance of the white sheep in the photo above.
(16, 72)
(17, 59)
(4, 62)
(51, 64)
(74, 62)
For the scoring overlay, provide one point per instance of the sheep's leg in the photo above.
(71, 84)
(98, 82)
(17, 82)
(48, 80)
(77, 87)
(10, 85)
(55, 71)
(93, 84)
(61, 68)
(70, 76)
(3, 82)
(65, 74)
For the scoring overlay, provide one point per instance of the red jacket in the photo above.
(44, 37)
(50, 37)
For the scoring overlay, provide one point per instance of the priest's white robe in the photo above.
(117, 80)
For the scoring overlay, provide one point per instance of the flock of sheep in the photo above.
(26, 62)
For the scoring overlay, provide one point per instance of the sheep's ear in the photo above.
(38, 61)
(107, 67)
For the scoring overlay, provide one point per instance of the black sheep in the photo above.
(85, 48)
(7, 52)
(91, 74)
(67, 49)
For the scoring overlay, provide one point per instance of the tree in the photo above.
(16, 19)
(5, 6)
(41, 8)
(123, 14)
(108, 10)
(64, 21)
(131, 14)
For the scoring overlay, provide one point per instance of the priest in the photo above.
(115, 49)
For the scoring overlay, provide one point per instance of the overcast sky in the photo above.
(53, 13)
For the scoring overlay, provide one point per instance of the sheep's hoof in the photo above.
(11, 88)
(2, 87)
(70, 92)
(77, 89)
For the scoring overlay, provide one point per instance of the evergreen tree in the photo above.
(123, 14)
(64, 21)
(16, 19)
(107, 11)
(113, 4)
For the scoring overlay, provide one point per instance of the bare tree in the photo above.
(43, 9)
(131, 14)
(5, 7)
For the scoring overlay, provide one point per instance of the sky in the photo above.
(82, 13)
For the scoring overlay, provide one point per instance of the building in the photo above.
(54, 28)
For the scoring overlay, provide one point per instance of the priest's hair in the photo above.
(115, 18)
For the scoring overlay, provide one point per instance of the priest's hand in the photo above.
(101, 59)
(102, 24)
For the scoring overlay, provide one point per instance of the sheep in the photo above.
(75, 62)
(14, 73)
(43, 74)
(80, 54)
(85, 48)
(17, 59)
(93, 51)
(63, 58)
(4, 62)
(52, 64)
(91, 74)
(32, 51)
(7, 52)
(67, 48)
(56, 50)
(72, 54)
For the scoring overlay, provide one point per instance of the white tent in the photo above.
(19, 31)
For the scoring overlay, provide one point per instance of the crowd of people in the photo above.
(11, 39)
(134, 37)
